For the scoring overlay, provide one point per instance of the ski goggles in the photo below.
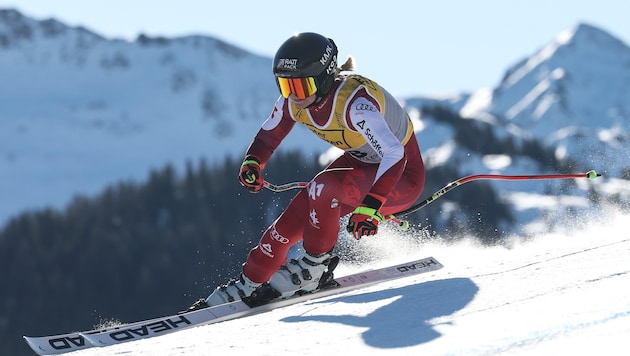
(300, 87)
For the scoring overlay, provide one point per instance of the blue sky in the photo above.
(409, 47)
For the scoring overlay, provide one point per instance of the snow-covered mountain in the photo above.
(79, 111)
(573, 94)
(560, 294)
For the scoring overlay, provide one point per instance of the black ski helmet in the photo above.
(308, 54)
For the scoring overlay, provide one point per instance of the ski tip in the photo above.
(33, 345)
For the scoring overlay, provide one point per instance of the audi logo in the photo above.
(365, 107)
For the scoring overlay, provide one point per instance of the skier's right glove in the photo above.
(251, 176)
(365, 218)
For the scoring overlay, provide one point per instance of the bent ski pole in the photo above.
(447, 188)
(283, 187)
(297, 185)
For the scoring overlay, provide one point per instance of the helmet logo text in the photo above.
(332, 65)
(325, 58)
(326, 55)
(287, 63)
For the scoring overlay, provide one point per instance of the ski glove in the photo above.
(251, 176)
(365, 218)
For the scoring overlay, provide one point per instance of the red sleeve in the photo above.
(272, 132)
(388, 180)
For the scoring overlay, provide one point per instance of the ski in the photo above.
(58, 344)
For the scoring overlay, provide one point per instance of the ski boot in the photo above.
(235, 289)
(304, 274)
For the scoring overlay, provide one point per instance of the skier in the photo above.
(380, 172)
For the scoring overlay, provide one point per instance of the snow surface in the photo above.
(558, 294)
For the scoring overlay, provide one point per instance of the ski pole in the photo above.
(296, 185)
(447, 188)
(404, 225)
(283, 187)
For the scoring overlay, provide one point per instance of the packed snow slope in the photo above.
(558, 294)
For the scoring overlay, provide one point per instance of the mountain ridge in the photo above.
(572, 95)
(104, 110)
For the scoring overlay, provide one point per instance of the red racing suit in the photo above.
(381, 157)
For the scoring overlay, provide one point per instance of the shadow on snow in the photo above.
(405, 321)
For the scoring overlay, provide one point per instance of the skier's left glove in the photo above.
(365, 218)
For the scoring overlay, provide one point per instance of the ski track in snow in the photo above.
(559, 294)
